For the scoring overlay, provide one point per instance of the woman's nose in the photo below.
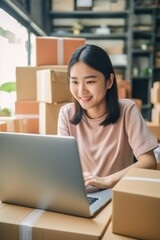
(82, 88)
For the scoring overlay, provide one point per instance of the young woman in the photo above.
(109, 132)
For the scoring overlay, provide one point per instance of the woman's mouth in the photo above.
(85, 99)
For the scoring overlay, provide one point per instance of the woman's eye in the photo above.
(74, 82)
(90, 82)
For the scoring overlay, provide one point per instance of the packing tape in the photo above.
(60, 47)
(42, 85)
(28, 116)
(28, 222)
(142, 179)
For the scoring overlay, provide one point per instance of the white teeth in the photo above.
(85, 98)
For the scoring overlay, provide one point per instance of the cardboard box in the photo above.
(48, 117)
(52, 86)
(3, 127)
(155, 129)
(136, 204)
(156, 85)
(155, 113)
(16, 221)
(155, 95)
(118, 5)
(26, 107)
(26, 84)
(53, 50)
(109, 235)
(30, 122)
(124, 88)
(14, 124)
(62, 5)
(83, 4)
(32, 125)
(138, 102)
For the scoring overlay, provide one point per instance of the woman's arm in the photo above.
(146, 160)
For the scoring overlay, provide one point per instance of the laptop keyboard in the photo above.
(92, 200)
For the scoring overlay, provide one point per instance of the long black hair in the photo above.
(98, 59)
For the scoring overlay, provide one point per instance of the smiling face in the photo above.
(89, 87)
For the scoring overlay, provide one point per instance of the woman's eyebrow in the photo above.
(90, 76)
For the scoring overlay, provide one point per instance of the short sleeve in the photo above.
(140, 137)
(63, 122)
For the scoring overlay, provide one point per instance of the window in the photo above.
(13, 47)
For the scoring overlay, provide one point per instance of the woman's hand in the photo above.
(99, 182)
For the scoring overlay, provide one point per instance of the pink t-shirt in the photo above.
(105, 150)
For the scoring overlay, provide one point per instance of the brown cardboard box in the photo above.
(136, 201)
(53, 50)
(155, 114)
(118, 5)
(109, 235)
(14, 123)
(26, 84)
(30, 123)
(156, 85)
(138, 102)
(26, 107)
(40, 225)
(52, 86)
(124, 84)
(155, 129)
(155, 95)
(3, 127)
(63, 5)
(48, 117)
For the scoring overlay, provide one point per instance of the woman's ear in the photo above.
(110, 81)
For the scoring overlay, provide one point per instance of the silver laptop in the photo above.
(44, 171)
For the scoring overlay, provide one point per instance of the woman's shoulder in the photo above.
(126, 103)
(68, 108)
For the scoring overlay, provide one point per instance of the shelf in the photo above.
(141, 53)
(146, 106)
(88, 14)
(93, 36)
(157, 68)
(142, 33)
(145, 10)
(140, 78)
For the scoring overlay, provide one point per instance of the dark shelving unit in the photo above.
(87, 33)
(88, 14)
(143, 71)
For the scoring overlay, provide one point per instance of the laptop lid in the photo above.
(44, 171)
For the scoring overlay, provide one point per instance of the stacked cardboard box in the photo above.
(56, 50)
(52, 56)
(52, 89)
(3, 126)
(124, 91)
(13, 124)
(154, 125)
(111, 6)
(52, 93)
(26, 105)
